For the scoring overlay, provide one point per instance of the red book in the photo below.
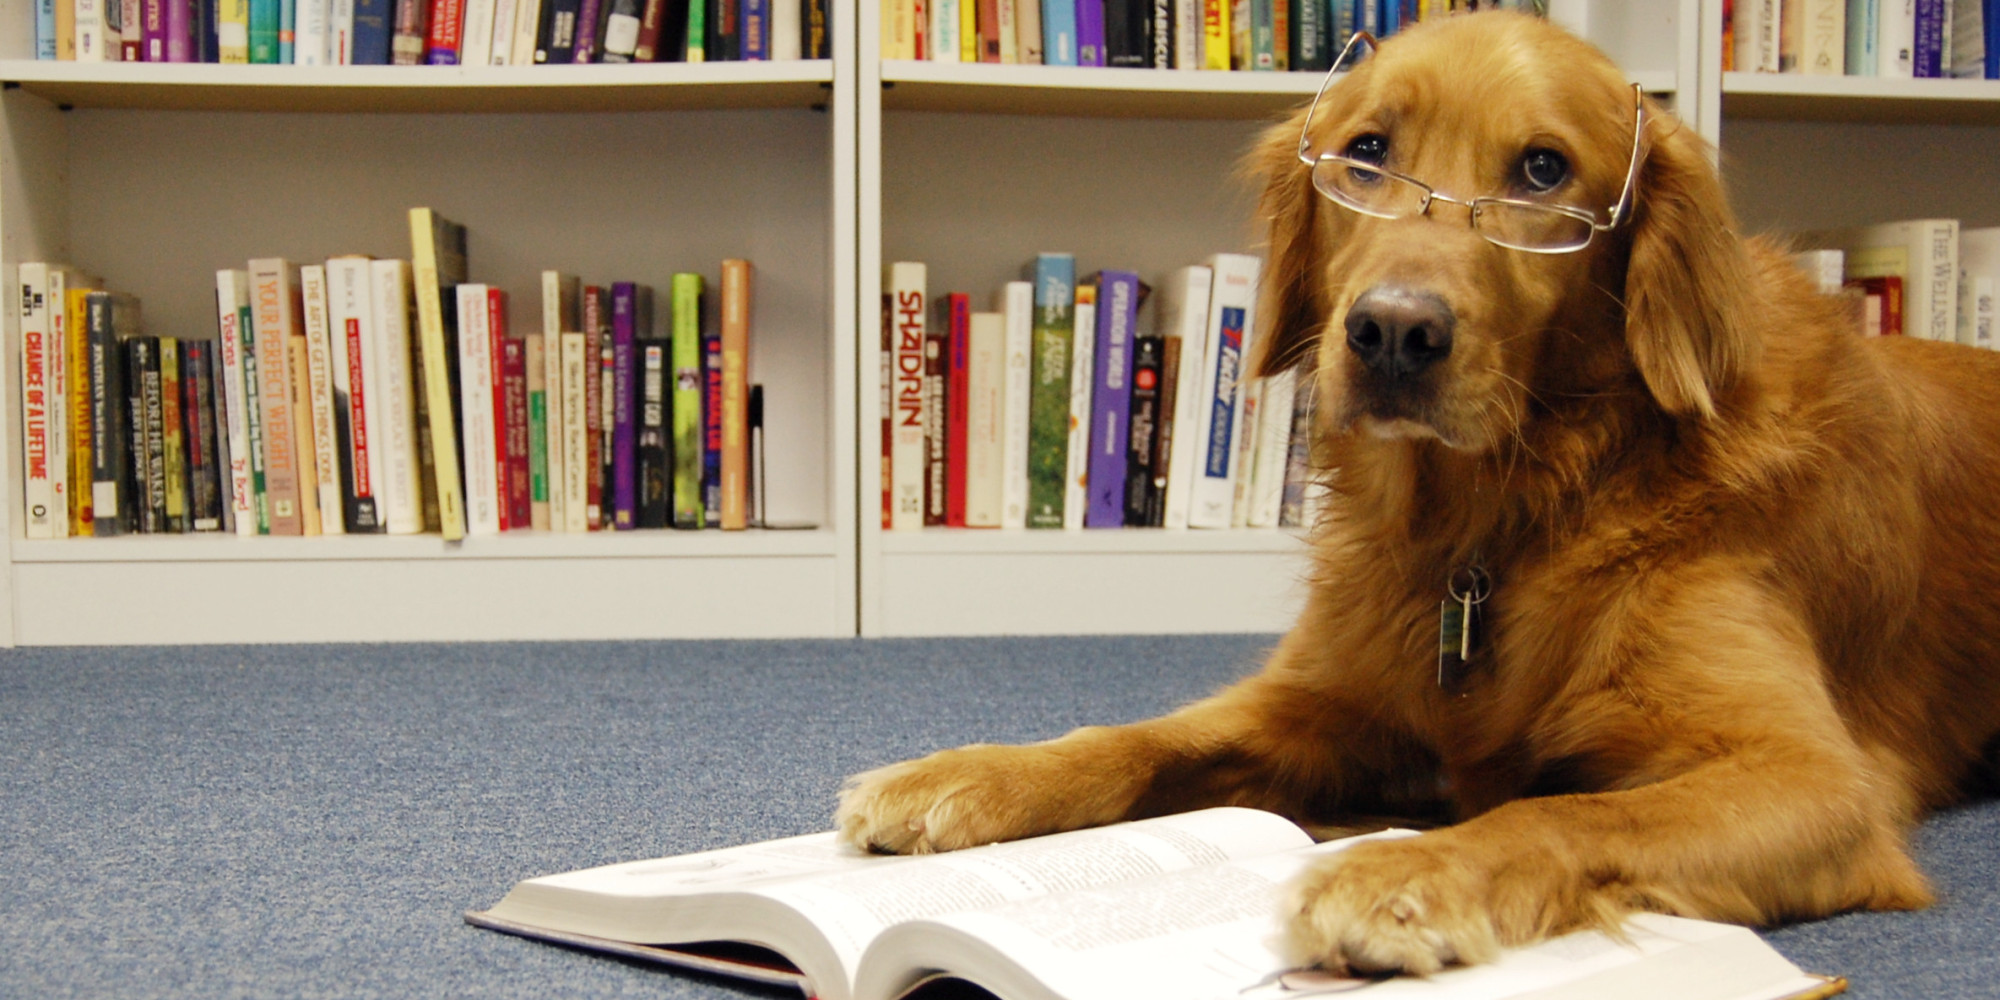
(515, 496)
(496, 326)
(958, 404)
(888, 408)
(988, 23)
(441, 48)
(936, 356)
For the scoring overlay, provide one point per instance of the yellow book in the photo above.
(438, 251)
(232, 31)
(302, 434)
(78, 346)
(1215, 34)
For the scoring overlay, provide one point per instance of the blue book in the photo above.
(756, 31)
(45, 29)
(374, 26)
(1990, 21)
(1058, 32)
(288, 29)
(1089, 33)
(1864, 27)
(1111, 397)
(1929, 53)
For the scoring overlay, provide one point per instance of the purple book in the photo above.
(1090, 33)
(153, 27)
(587, 42)
(1930, 60)
(180, 36)
(1111, 397)
(624, 437)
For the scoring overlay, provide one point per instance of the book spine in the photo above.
(695, 48)
(204, 490)
(484, 406)
(1028, 34)
(620, 37)
(475, 31)
(179, 31)
(274, 311)
(624, 439)
(447, 20)
(1163, 444)
(886, 405)
(109, 424)
(575, 433)
(1160, 34)
(340, 33)
(500, 49)
(68, 309)
(40, 473)
(65, 30)
(235, 343)
(391, 401)
(1054, 278)
(142, 408)
(328, 441)
(1895, 46)
(1059, 32)
(958, 389)
(59, 377)
(725, 31)
(1111, 398)
(1242, 451)
(313, 21)
(1864, 32)
(232, 31)
(655, 459)
(1263, 35)
(1272, 453)
(1082, 378)
(1309, 35)
(1188, 42)
(517, 499)
(756, 29)
(1292, 511)
(1929, 39)
(985, 421)
(907, 289)
(937, 334)
(945, 20)
(300, 367)
(596, 406)
(357, 411)
(1938, 279)
(1018, 301)
(1090, 32)
(987, 20)
(527, 32)
(173, 438)
(45, 29)
(439, 263)
(1215, 34)
(652, 18)
(687, 437)
(736, 280)
(1213, 497)
(1823, 37)
(540, 402)
(411, 32)
(787, 36)
(91, 38)
(1142, 429)
(817, 42)
(711, 427)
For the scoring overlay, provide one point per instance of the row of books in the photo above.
(1888, 38)
(1154, 34)
(1925, 278)
(430, 32)
(1071, 406)
(318, 404)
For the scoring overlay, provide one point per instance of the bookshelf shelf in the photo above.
(985, 88)
(755, 544)
(1123, 541)
(441, 89)
(1860, 100)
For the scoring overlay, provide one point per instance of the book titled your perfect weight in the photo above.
(1175, 908)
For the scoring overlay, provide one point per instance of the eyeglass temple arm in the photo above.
(1362, 38)
(1624, 204)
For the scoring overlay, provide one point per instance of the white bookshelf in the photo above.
(153, 176)
(975, 168)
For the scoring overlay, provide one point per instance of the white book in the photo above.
(908, 307)
(95, 42)
(62, 391)
(552, 433)
(1978, 280)
(787, 42)
(476, 32)
(1968, 39)
(312, 32)
(1242, 451)
(340, 46)
(1274, 449)
(501, 51)
(944, 30)
(1757, 26)
(1896, 39)
(527, 23)
(1231, 317)
(1820, 30)
(576, 369)
(1082, 372)
(357, 380)
(985, 420)
(1017, 307)
(1027, 31)
(233, 338)
(1188, 35)
(41, 399)
(1184, 315)
(1010, 47)
(476, 388)
(1923, 251)
(396, 389)
(319, 378)
(1826, 268)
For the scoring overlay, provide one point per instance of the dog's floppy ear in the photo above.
(1688, 303)
(1290, 303)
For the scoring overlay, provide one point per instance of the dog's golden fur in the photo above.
(1745, 626)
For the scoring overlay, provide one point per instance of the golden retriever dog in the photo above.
(1737, 568)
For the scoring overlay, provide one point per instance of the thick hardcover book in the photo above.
(173, 439)
(536, 349)
(438, 266)
(302, 436)
(1118, 298)
(957, 316)
(357, 411)
(1090, 32)
(374, 27)
(575, 433)
(1082, 378)
(1163, 438)
(597, 357)
(148, 470)
(754, 38)
(906, 283)
(736, 282)
(198, 411)
(1128, 33)
(236, 340)
(655, 458)
(447, 20)
(985, 419)
(47, 516)
(481, 403)
(624, 395)
(327, 405)
(711, 427)
(1058, 32)
(1143, 427)
(589, 47)
(391, 401)
(274, 312)
(1017, 301)
(1184, 317)
(514, 456)
(1231, 315)
(1054, 279)
(686, 361)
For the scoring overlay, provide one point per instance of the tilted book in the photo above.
(237, 347)
(438, 267)
(1054, 279)
(1174, 908)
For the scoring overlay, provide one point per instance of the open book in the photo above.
(1176, 907)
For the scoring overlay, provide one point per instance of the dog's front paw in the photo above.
(1390, 906)
(951, 799)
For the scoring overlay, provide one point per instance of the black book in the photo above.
(201, 15)
(149, 434)
(620, 35)
(555, 37)
(1312, 35)
(816, 41)
(198, 417)
(1143, 428)
(656, 460)
(1162, 56)
(1128, 32)
(218, 408)
(107, 316)
(724, 42)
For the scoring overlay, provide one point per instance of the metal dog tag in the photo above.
(1461, 628)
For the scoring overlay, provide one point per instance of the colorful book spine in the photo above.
(711, 427)
(1142, 429)
(624, 389)
(589, 43)
(936, 336)
(655, 458)
(47, 515)
(232, 31)
(686, 442)
(173, 439)
(985, 421)
(1058, 32)
(575, 434)
(1128, 32)
(1864, 34)
(287, 32)
(374, 29)
(1232, 300)
(274, 305)
(1163, 438)
(1111, 397)
(1215, 34)
(59, 377)
(302, 435)
(559, 316)
(45, 29)
(697, 32)
(517, 498)
(1053, 276)
(958, 391)
(906, 284)
(1082, 378)
(68, 307)
(357, 411)
(327, 438)
(447, 19)
(148, 451)
(179, 34)
(1931, 37)
(536, 349)
(438, 266)
(198, 410)
(411, 32)
(237, 342)
(1090, 32)
(1018, 306)
(597, 356)
(479, 433)
(736, 282)
(756, 29)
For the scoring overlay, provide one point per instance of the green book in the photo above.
(264, 18)
(1054, 278)
(687, 443)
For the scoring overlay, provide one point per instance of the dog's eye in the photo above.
(1370, 148)
(1544, 169)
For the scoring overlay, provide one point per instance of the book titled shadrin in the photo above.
(1054, 278)
(686, 361)
(1118, 296)
(655, 458)
(908, 295)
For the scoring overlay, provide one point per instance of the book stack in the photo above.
(1886, 38)
(430, 32)
(1924, 278)
(1071, 406)
(1268, 35)
(362, 396)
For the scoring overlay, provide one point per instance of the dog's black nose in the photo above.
(1399, 331)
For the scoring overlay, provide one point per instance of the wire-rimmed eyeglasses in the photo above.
(1531, 226)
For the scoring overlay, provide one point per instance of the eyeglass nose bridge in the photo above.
(1471, 206)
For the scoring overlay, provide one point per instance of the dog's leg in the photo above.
(1745, 800)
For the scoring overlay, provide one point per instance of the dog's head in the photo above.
(1573, 239)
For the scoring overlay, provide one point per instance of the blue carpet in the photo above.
(311, 821)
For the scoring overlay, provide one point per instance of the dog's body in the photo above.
(1744, 625)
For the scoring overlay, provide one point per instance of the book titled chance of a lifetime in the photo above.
(1180, 907)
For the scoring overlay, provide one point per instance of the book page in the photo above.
(727, 868)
